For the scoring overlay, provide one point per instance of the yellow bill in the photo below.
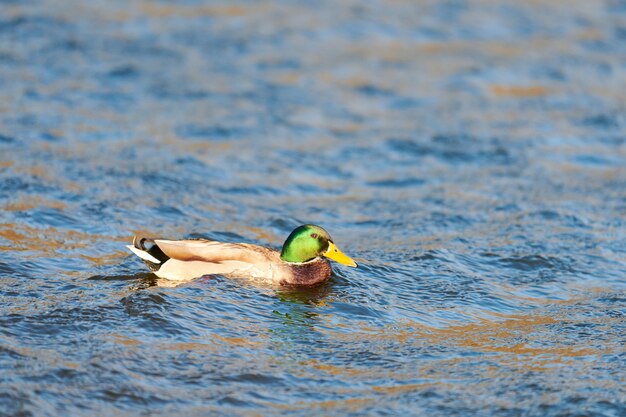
(336, 255)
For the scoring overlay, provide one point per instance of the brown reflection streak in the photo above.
(333, 369)
(163, 10)
(401, 389)
(512, 338)
(515, 91)
(48, 240)
(125, 340)
(110, 259)
(195, 346)
(351, 404)
(289, 78)
(501, 337)
(396, 51)
(36, 170)
(189, 346)
(484, 341)
(30, 202)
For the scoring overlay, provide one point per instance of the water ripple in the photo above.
(470, 157)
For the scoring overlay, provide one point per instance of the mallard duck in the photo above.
(301, 261)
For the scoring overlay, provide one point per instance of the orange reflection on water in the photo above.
(519, 91)
(46, 242)
(181, 10)
(515, 340)
(29, 202)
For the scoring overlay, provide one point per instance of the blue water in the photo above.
(469, 155)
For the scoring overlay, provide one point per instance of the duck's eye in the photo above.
(314, 235)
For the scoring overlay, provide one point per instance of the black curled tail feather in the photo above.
(140, 243)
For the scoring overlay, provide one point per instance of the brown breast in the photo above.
(308, 273)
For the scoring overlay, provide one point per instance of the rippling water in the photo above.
(470, 155)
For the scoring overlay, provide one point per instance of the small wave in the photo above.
(535, 262)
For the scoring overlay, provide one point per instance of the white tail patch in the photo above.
(143, 254)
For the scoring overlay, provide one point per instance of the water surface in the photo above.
(470, 155)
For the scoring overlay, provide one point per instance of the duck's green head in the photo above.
(308, 242)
